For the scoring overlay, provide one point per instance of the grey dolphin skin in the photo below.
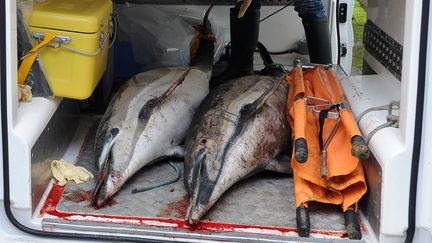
(239, 129)
(148, 118)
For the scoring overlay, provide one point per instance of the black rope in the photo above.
(289, 51)
(277, 11)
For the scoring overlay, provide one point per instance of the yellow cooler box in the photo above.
(76, 59)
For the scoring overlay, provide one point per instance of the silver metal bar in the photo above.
(320, 104)
(324, 149)
(175, 234)
(59, 38)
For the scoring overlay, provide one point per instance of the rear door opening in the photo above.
(260, 208)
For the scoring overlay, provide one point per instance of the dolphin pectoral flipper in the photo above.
(280, 164)
(175, 151)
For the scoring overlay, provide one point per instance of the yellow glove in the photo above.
(24, 93)
(64, 172)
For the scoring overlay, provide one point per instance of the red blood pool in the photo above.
(79, 196)
(176, 209)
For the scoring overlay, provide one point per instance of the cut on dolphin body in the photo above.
(239, 129)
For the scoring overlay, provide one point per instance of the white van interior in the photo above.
(260, 208)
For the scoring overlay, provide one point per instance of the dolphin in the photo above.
(239, 129)
(148, 118)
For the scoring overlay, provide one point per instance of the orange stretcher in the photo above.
(328, 145)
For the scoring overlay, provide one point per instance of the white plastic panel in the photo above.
(30, 122)
(25, 122)
(393, 155)
(396, 161)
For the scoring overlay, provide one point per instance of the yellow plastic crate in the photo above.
(72, 69)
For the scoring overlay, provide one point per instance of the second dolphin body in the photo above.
(239, 129)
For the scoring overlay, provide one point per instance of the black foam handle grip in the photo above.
(359, 147)
(303, 221)
(301, 150)
(352, 225)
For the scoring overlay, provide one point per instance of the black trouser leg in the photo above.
(244, 38)
(318, 40)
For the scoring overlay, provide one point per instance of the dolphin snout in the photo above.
(100, 199)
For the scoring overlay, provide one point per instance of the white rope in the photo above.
(392, 120)
(82, 52)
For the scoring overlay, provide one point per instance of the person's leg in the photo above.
(315, 23)
(244, 38)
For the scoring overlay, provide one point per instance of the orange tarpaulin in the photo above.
(343, 182)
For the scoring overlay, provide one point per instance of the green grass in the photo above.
(358, 22)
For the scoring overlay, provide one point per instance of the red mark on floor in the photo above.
(86, 196)
(52, 199)
(176, 209)
(79, 196)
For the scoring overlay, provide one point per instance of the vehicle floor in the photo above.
(263, 203)
(260, 208)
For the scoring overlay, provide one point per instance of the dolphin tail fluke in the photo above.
(205, 53)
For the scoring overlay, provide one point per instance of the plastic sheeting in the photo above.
(161, 37)
(157, 37)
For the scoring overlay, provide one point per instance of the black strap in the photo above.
(322, 116)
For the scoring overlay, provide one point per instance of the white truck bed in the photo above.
(260, 208)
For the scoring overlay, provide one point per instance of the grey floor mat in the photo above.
(264, 199)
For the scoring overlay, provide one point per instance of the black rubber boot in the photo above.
(318, 41)
(244, 38)
(303, 221)
(352, 226)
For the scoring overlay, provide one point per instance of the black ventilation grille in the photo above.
(203, 2)
(384, 48)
